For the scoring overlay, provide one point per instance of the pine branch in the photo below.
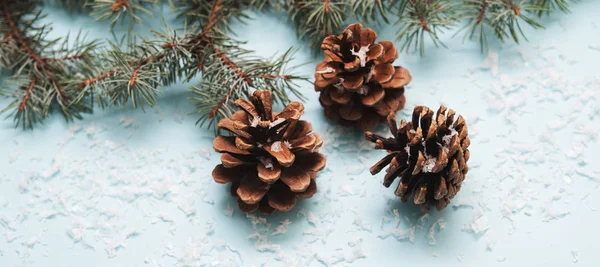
(40, 67)
(477, 14)
(315, 19)
(230, 72)
(124, 10)
(133, 76)
(370, 10)
(547, 6)
(197, 12)
(70, 5)
(508, 15)
(421, 17)
(49, 73)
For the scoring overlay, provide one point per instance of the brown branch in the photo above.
(211, 22)
(27, 95)
(326, 6)
(301, 6)
(169, 45)
(17, 35)
(204, 38)
(92, 80)
(513, 7)
(273, 77)
(136, 70)
(133, 78)
(212, 19)
(233, 66)
(64, 58)
(119, 4)
(482, 12)
(224, 100)
(420, 15)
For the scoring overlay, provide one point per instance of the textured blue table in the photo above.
(127, 188)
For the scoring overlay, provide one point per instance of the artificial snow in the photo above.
(276, 146)
(361, 54)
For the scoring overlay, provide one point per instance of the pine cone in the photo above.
(357, 82)
(272, 159)
(430, 157)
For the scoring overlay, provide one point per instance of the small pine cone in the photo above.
(273, 157)
(357, 82)
(430, 155)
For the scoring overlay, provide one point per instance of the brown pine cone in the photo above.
(358, 84)
(430, 155)
(273, 157)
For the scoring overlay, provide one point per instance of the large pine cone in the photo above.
(430, 156)
(358, 84)
(272, 159)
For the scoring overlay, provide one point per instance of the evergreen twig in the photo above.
(75, 75)
(40, 66)
(547, 6)
(418, 18)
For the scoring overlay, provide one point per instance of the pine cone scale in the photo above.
(268, 175)
(310, 190)
(353, 82)
(390, 52)
(400, 78)
(247, 208)
(374, 96)
(340, 97)
(224, 175)
(251, 190)
(224, 144)
(281, 197)
(231, 160)
(282, 153)
(351, 112)
(368, 120)
(297, 179)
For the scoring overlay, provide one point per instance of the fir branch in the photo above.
(40, 67)
(547, 6)
(370, 10)
(75, 78)
(124, 10)
(315, 19)
(70, 5)
(477, 14)
(420, 17)
(508, 15)
(197, 13)
(230, 72)
(133, 76)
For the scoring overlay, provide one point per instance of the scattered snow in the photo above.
(276, 146)
(361, 54)
(326, 70)
(254, 121)
(276, 122)
(282, 228)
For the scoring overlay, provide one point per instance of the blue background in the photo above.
(128, 188)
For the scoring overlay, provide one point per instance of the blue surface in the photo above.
(128, 188)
